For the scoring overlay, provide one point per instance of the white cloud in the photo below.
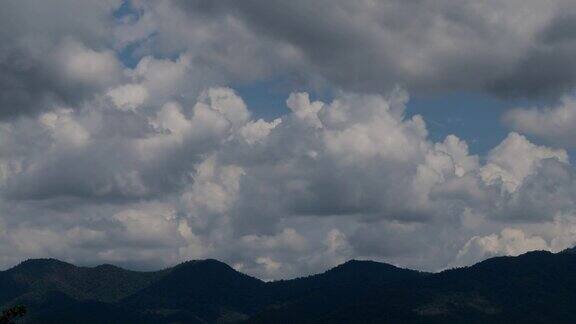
(129, 96)
(64, 129)
(349, 178)
(552, 124)
(226, 102)
(256, 131)
(516, 158)
(509, 242)
(77, 63)
(305, 110)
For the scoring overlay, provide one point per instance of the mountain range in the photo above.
(536, 287)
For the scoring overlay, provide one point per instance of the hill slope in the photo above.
(206, 290)
(537, 287)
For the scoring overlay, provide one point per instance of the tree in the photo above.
(8, 315)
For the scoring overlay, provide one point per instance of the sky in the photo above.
(286, 137)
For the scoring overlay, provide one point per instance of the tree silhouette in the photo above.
(8, 315)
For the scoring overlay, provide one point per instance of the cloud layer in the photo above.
(511, 48)
(122, 139)
(329, 181)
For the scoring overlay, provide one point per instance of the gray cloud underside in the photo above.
(511, 48)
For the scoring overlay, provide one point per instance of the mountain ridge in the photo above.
(538, 284)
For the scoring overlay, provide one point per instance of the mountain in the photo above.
(339, 281)
(206, 290)
(104, 283)
(536, 287)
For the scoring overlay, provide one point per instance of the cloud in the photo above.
(83, 158)
(505, 49)
(516, 158)
(54, 53)
(353, 177)
(551, 124)
(509, 242)
(366, 47)
(554, 236)
(159, 161)
(129, 96)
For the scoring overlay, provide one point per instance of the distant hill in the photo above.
(536, 287)
(207, 290)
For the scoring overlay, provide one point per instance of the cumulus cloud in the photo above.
(509, 242)
(354, 177)
(156, 162)
(129, 96)
(516, 158)
(554, 125)
(554, 236)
